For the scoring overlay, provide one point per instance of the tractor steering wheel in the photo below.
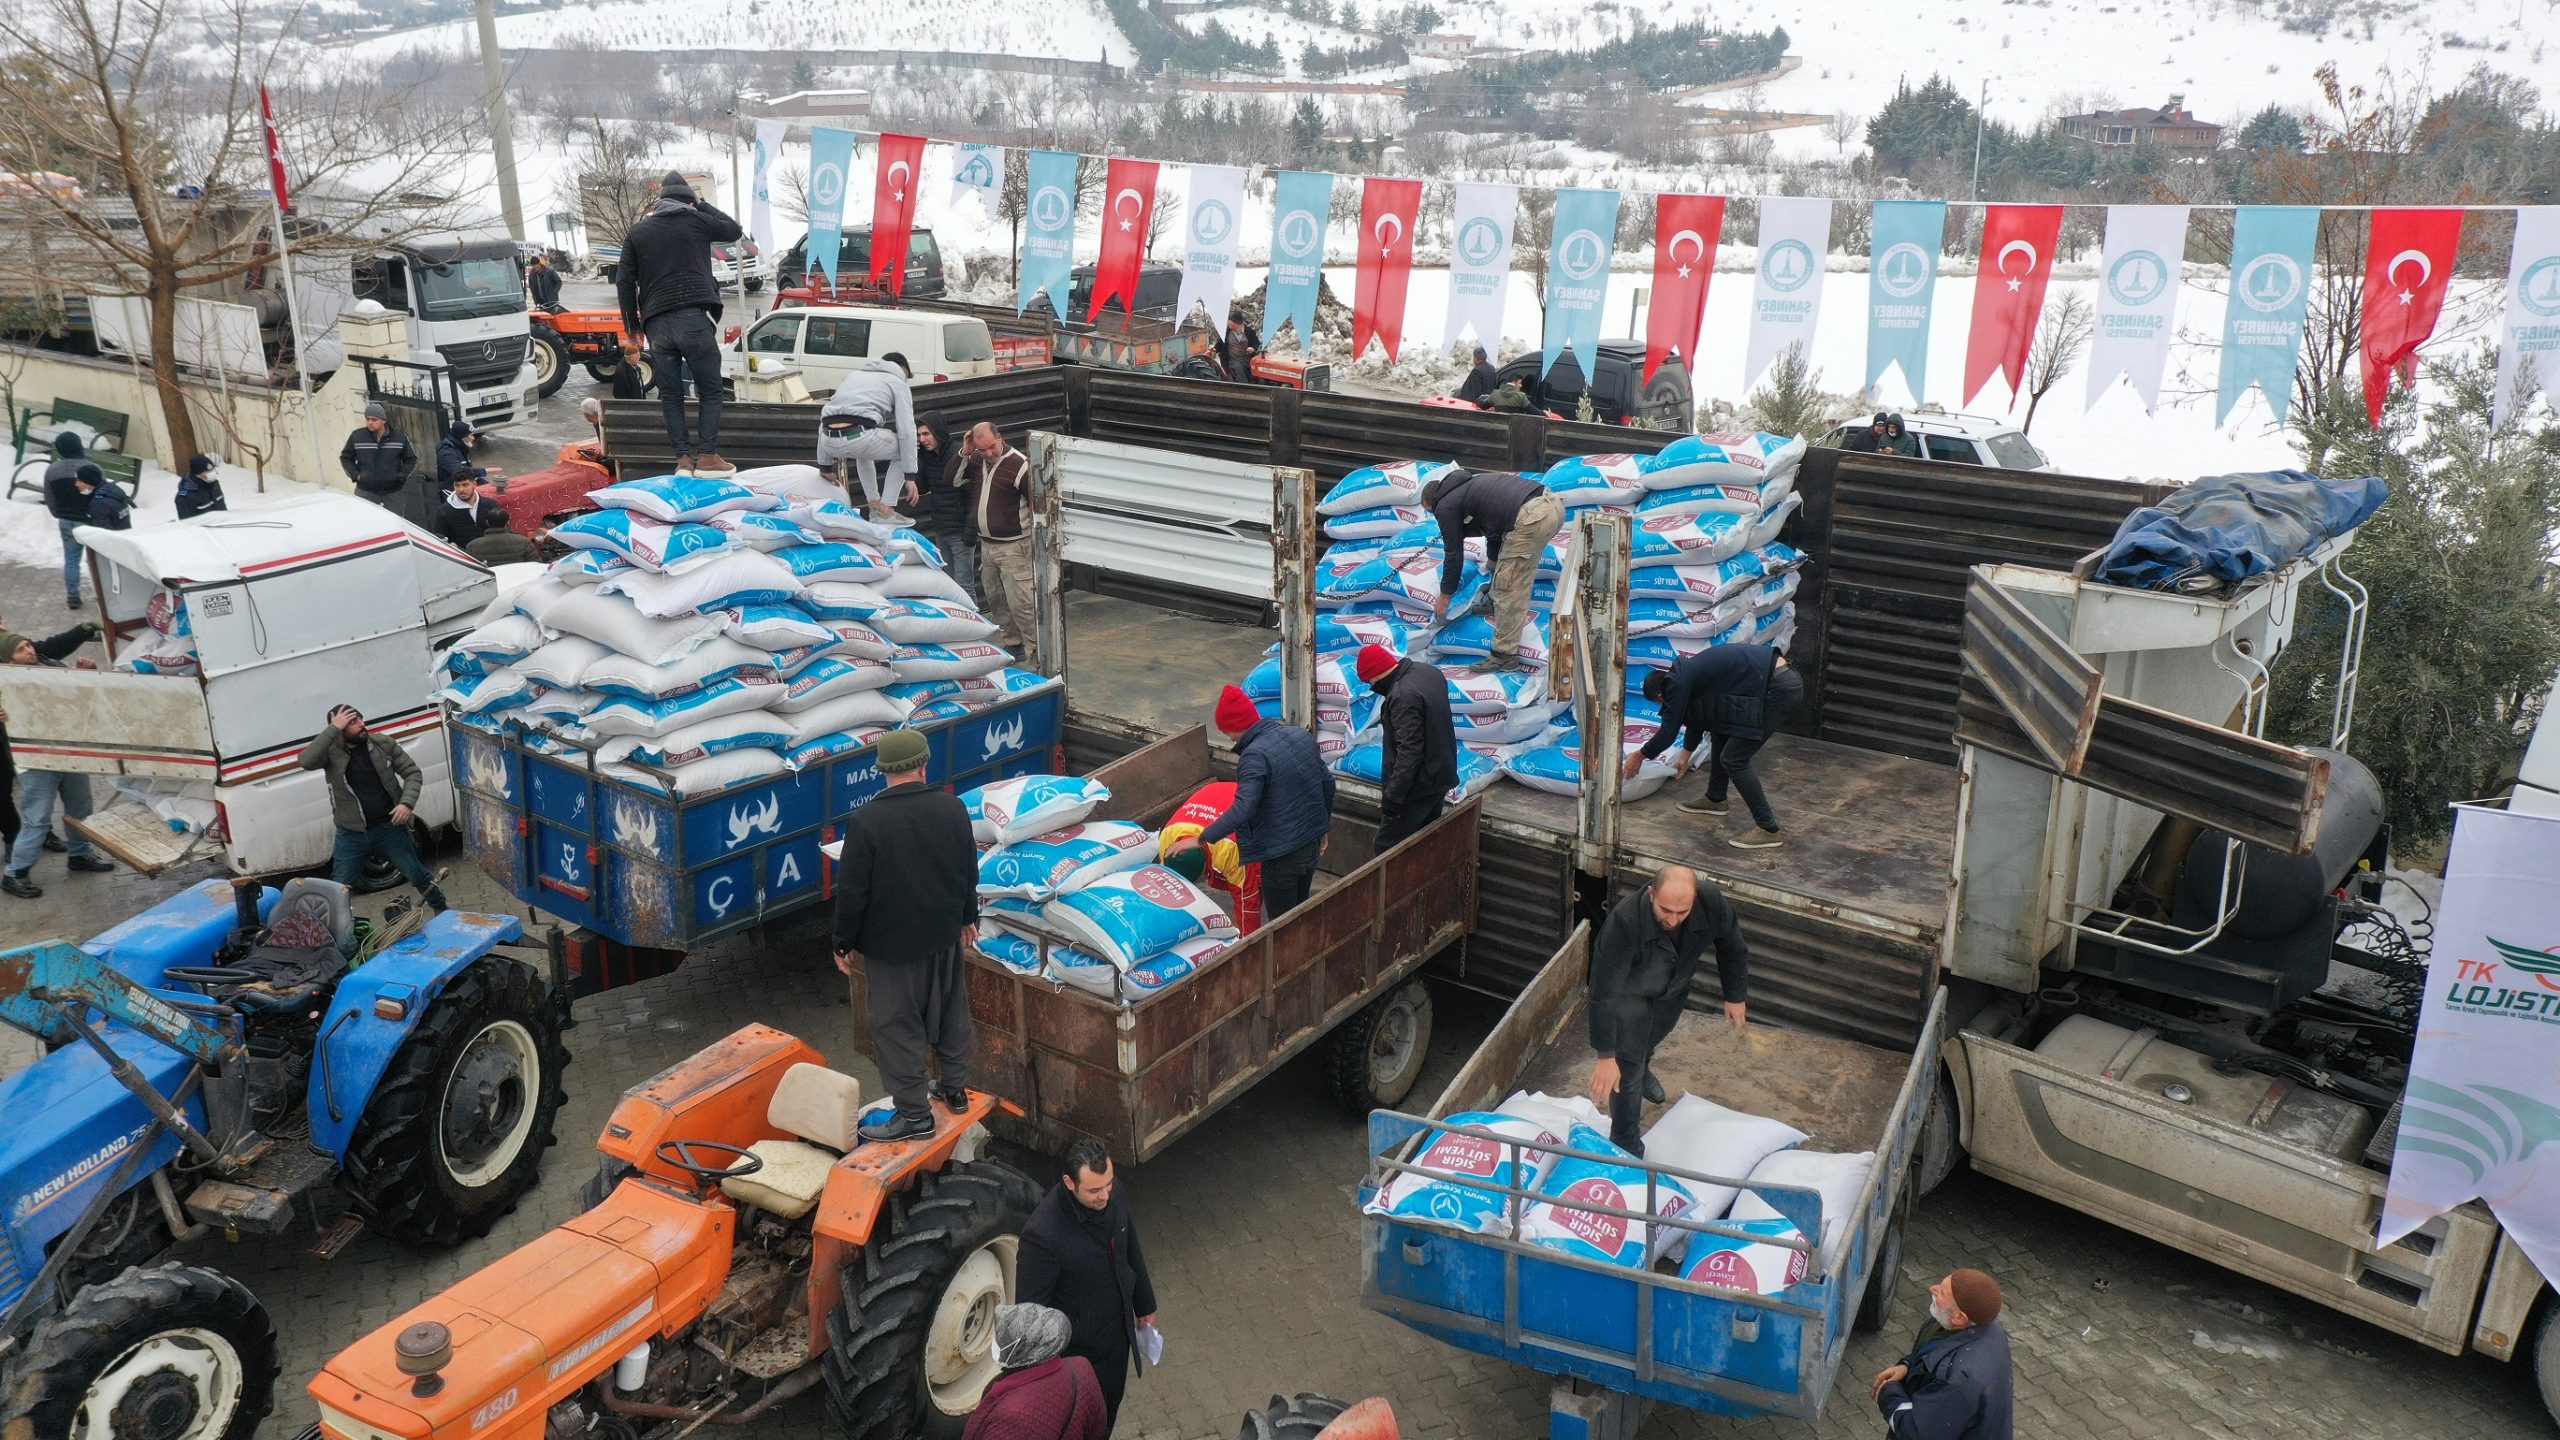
(678, 1154)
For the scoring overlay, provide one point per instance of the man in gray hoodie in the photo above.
(871, 422)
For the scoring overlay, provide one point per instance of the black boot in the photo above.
(17, 883)
(1653, 1091)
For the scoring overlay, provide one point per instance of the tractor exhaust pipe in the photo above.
(793, 1384)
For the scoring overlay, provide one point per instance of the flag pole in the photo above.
(292, 300)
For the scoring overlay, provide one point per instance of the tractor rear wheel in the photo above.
(550, 363)
(912, 1345)
(453, 1136)
(175, 1353)
(1292, 1417)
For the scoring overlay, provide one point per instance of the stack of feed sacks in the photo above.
(1080, 901)
(704, 632)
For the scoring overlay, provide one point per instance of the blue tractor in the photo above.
(246, 1061)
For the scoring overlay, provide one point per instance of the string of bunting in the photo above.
(2409, 269)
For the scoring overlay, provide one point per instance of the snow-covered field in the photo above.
(1061, 29)
(28, 536)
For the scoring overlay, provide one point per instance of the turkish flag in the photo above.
(1387, 211)
(275, 151)
(2408, 263)
(1131, 188)
(2008, 293)
(893, 207)
(1685, 231)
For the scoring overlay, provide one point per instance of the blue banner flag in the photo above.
(1049, 237)
(2270, 290)
(1302, 203)
(830, 157)
(1586, 235)
(1902, 277)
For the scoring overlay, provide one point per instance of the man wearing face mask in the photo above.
(1641, 965)
(1956, 1382)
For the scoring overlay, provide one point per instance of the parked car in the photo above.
(725, 264)
(1619, 397)
(1159, 286)
(853, 261)
(829, 342)
(1963, 439)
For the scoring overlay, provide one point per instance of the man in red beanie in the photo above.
(1955, 1383)
(1419, 739)
(1283, 807)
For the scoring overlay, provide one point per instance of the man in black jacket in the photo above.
(373, 794)
(906, 901)
(1284, 803)
(70, 508)
(667, 293)
(1741, 694)
(1080, 1256)
(109, 507)
(1420, 740)
(542, 283)
(455, 455)
(1481, 379)
(1641, 965)
(1517, 516)
(472, 522)
(379, 460)
(1956, 1384)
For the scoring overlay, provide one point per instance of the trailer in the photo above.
(1343, 968)
(1618, 1338)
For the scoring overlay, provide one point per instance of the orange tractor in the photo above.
(593, 338)
(740, 1246)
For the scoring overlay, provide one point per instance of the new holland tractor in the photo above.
(744, 1245)
(243, 1061)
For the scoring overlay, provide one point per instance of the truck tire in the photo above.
(1939, 1150)
(2546, 1356)
(912, 1345)
(453, 1136)
(550, 363)
(1875, 1303)
(1200, 367)
(1292, 1417)
(175, 1353)
(1373, 1060)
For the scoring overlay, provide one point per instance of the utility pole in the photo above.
(1979, 120)
(502, 137)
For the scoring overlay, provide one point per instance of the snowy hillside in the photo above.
(1060, 29)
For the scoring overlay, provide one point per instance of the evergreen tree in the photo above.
(2274, 130)
(1918, 126)
(1306, 129)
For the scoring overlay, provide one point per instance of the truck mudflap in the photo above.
(2298, 1220)
(1630, 1332)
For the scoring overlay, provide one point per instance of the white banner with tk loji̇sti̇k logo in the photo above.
(2482, 1116)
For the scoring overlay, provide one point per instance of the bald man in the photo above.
(1642, 963)
(1000, 478)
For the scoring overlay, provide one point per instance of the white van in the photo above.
(829, 342)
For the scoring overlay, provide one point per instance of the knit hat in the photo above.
(1373, 662)
(89, 475)
(69, 446)
(1190, 864)
(9, 646)
(1236, 711)
(675, 187)
(201, 465)
(1977, 1295)
(373, 411)
(903, 750)
(1029, 1334)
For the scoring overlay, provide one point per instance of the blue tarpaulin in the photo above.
(2226, 529)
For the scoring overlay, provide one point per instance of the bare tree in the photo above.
(2062, 337)
(151, 108)
(616, 182)
(1843, 127)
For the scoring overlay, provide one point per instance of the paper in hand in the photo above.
(1151, 1343)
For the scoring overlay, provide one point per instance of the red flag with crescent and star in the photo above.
(1685, 231)
(2008, 294)
(1130, 186)
(1387, 212)
(893, 207)
(275, 150)
(2408, 263)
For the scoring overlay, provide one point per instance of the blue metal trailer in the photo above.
(647, 874)
(1619, 1338)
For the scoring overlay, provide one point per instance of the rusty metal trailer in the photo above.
(1344, 964)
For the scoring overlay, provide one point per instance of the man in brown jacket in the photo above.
(1002, 480)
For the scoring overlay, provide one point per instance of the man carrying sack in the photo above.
(906, 902)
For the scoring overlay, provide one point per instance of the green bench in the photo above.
(35, 430)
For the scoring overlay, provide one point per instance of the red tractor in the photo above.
(742, 1245)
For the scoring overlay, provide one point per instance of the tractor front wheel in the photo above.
(912, 1346)
(453, 1136)
(175, 1353)
(550, 363)
(1292, 1417)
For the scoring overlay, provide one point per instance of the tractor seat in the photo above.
(824, 1108)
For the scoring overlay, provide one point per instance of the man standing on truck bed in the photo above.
(1956, 1384)
(998, 479)
(1641, 964)
(1420, 741)
(1080, 1256)
(1517, 516)
(1283, 808)
(1742, 695)
(373, 789)
(870, 423)
(667, 293)
(907, 902)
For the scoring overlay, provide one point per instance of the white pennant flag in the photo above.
(1786, 299)
(1212, 224)
(760, 216)
(1480, 227)
(2529, 348)
(978, 170)
(2137, 298)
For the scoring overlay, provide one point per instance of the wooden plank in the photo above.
(2047, 689)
